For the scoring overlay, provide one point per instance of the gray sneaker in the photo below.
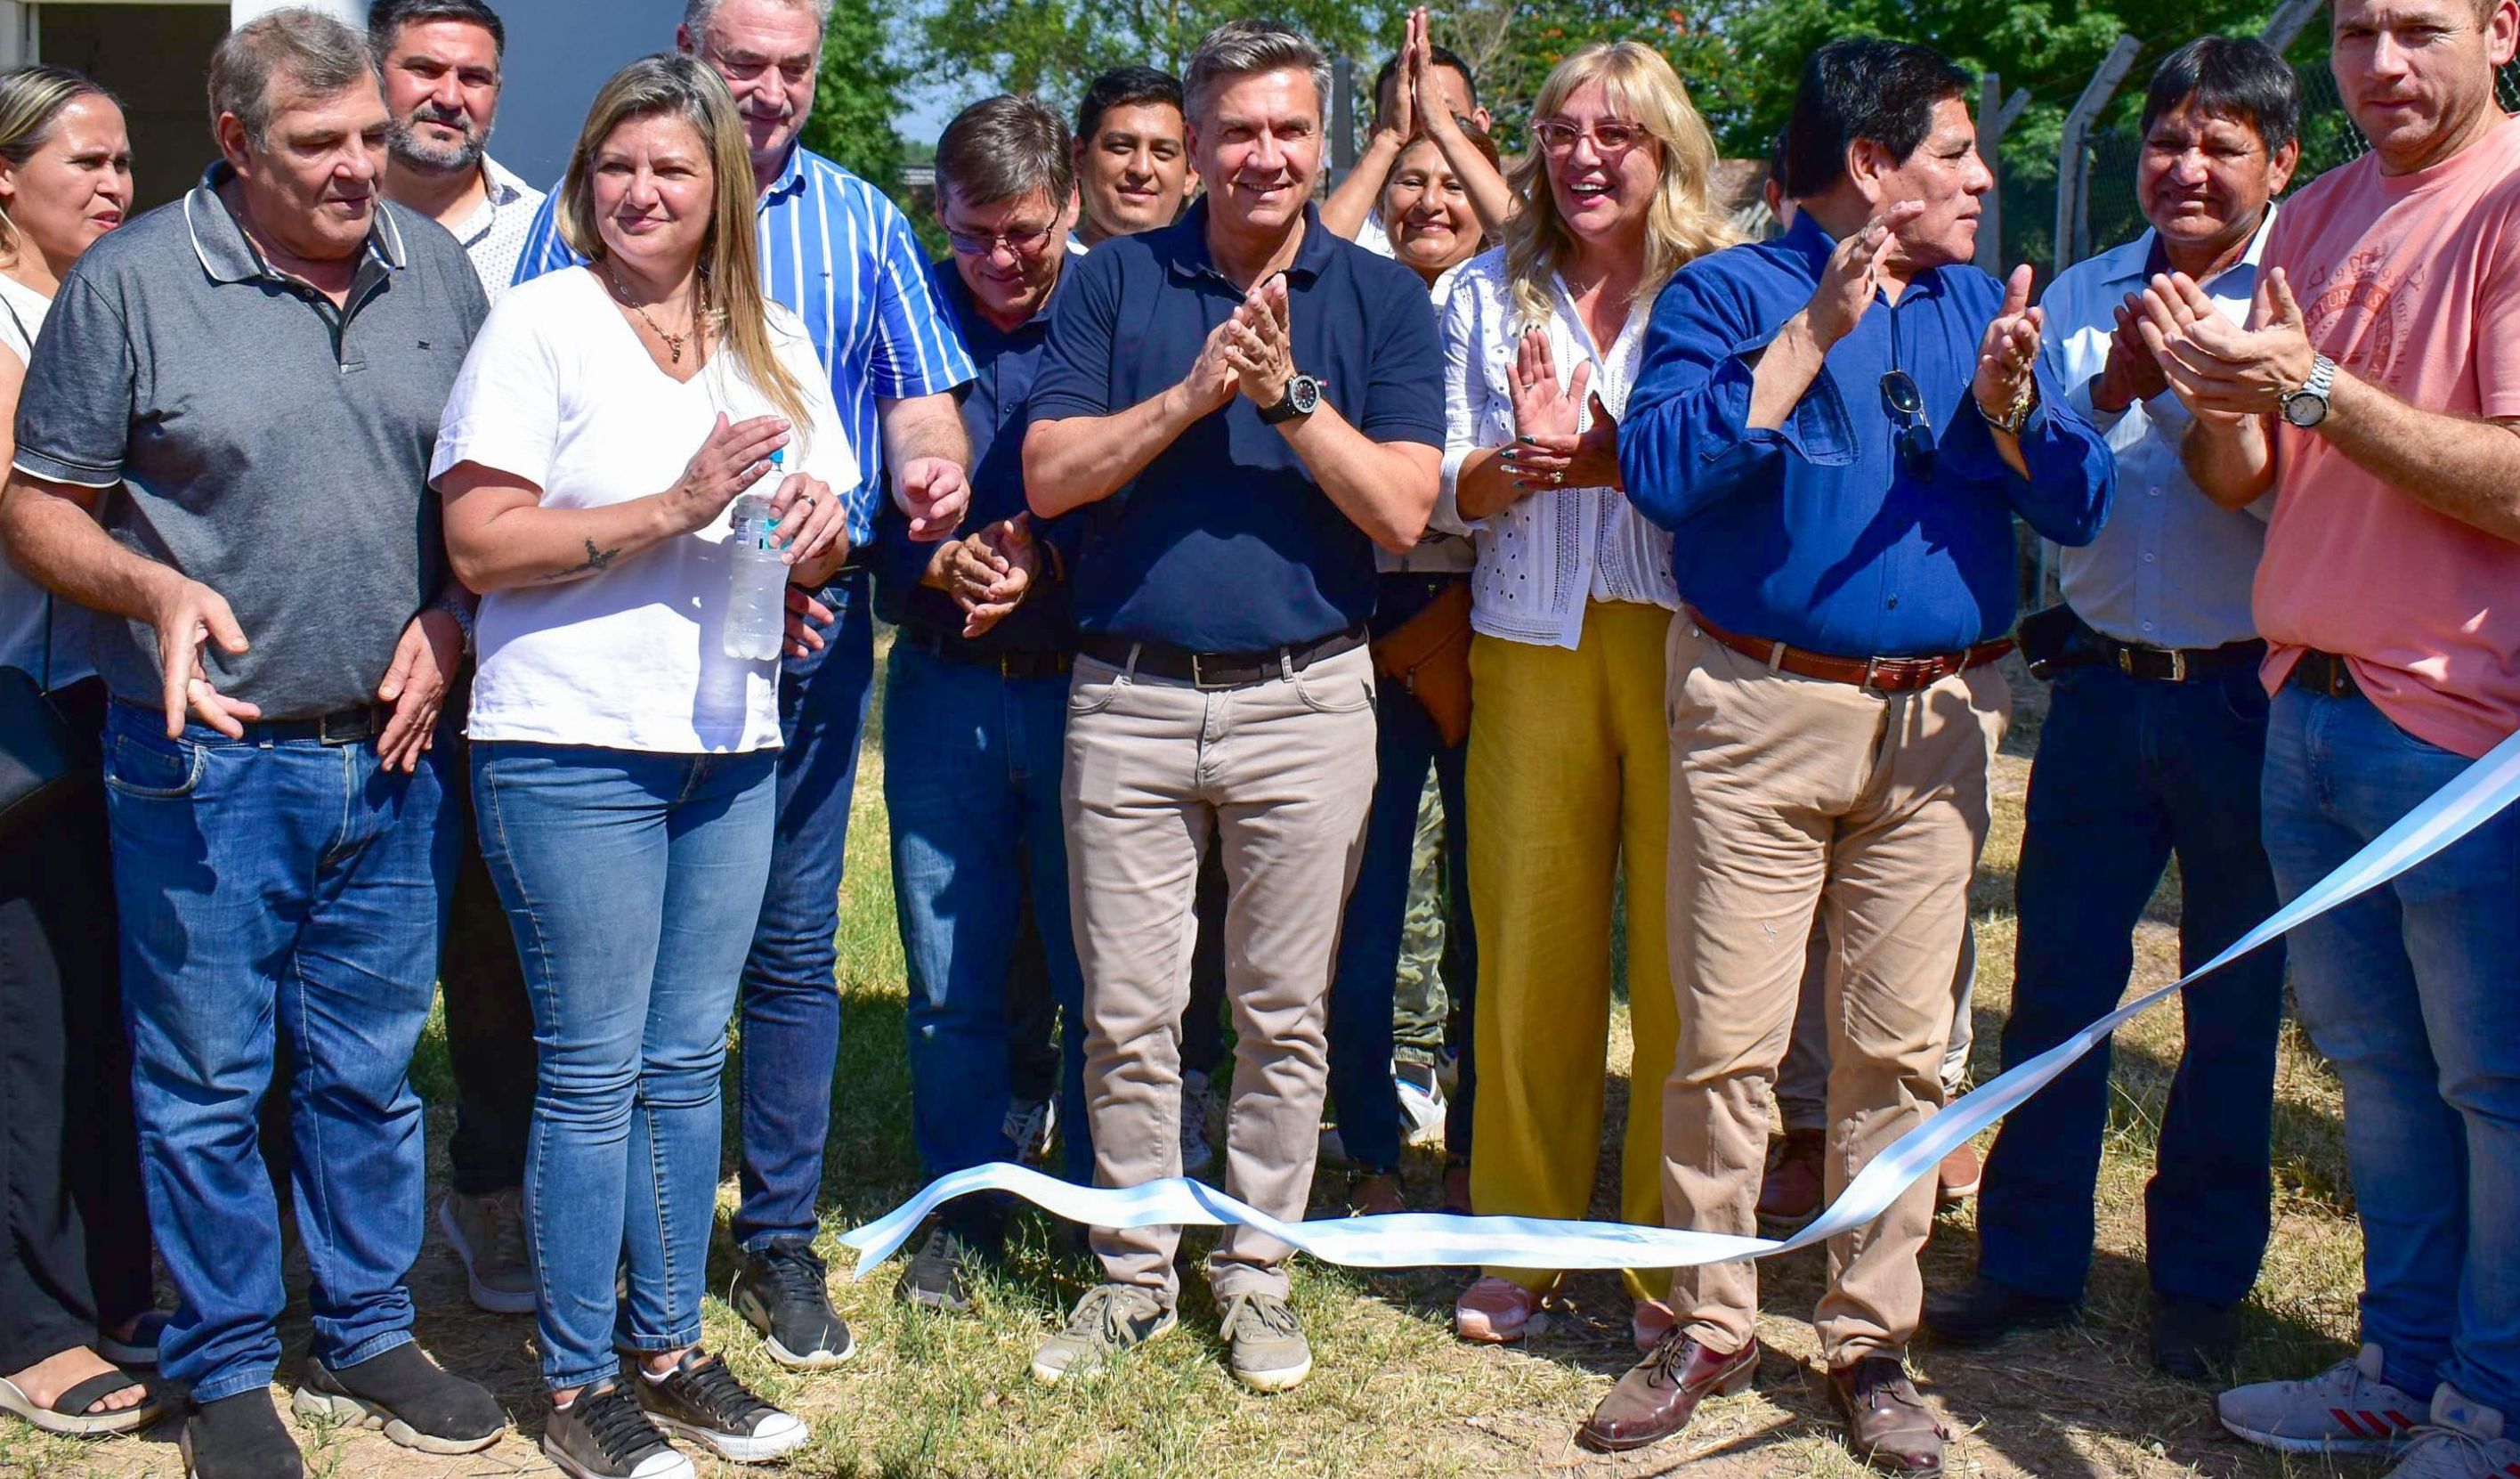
(2459, 1439)
(1198, 1102)
(488, 1234)
(1109, 1319)
(1264, 1345)
(2346, 1408)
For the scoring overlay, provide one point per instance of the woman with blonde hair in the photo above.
(74, 1279)
(622, 755)
(1573, 597)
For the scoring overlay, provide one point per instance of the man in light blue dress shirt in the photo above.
(2154, 740)
(840, 255)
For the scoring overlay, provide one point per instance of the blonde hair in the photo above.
(32, 99)
(1681, 225)
(672, 85)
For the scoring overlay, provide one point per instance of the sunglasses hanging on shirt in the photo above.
(1914, 435)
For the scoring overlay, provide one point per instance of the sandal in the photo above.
(142, 1349)
(68, 1415)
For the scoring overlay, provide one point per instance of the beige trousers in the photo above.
(1280, 774)
(1791, 796)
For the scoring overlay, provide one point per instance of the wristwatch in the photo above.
(1303, 397)
(2307, 407)
(2017, 416)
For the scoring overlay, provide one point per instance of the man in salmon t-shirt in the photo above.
(2377, 391)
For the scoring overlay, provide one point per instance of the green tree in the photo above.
(857, 93)
(1051, 49)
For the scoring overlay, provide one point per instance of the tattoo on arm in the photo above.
(597, 560)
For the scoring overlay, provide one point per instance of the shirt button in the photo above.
(2147, 557)
(2156, 491)
(2148, 626)
(1894, 603)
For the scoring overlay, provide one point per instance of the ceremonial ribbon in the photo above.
(1415, 1240)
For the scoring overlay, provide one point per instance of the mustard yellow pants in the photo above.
(1569, 772)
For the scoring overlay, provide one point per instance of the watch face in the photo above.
(1306, 394)
(2305, 411)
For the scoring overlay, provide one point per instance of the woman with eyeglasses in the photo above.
(1572, 601)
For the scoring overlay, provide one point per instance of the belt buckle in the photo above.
(324, 733)
(1870, 685)
(2126, 660)
(1198, 674)
(2178, 665)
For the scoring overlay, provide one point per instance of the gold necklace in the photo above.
(673, 342)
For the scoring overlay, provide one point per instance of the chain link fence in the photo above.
(2328, 138)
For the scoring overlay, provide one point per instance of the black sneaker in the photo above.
(702, 1401)
(2192, 1340)
(238, 1437)
(939, 1277)
(781, 1291)
(403, 1394)
(605, 1435)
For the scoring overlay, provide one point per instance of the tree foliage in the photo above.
(1053, 48)
(858, 92)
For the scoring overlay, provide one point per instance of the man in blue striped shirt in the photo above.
(842, 256)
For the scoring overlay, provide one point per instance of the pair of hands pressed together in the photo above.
(988, 573)
(2223, 372)
(1415, 105)
(1252, 353)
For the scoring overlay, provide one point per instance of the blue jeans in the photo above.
(791, 1003)
(276, 887)
(2412, 991)
(630, 880)
(1406, 742)
(2130, 773)
(971, 782)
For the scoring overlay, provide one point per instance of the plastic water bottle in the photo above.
(757, 598)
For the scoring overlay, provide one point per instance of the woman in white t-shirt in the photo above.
(74, 1290)
(622, 764)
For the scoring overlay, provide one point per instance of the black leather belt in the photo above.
(2323, 673)
(1011, 663)
(342, 726)
(2174, 665)
(1215, 670)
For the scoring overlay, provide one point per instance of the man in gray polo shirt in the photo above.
(224, 441)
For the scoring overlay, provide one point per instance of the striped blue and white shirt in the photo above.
(840, 255)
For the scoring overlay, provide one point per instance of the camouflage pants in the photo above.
(1420, 1003)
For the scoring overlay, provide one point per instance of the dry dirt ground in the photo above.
(1392, 1393)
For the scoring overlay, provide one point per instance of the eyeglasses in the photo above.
(1020, 242)
(1608, 135)
(1906, 407)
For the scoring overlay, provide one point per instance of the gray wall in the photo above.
(559, 53)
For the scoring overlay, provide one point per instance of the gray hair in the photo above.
(1244, 48)
(698, 14)
(304, 50)
(1003, 149)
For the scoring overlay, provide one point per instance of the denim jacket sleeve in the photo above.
(2073, 474)
(1686, 443)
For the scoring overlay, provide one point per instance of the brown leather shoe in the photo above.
(1789, 1193)
(1660, 1394)
(1886, 1422)
(1956, 1179)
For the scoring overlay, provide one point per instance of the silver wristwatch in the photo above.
(2307, 407)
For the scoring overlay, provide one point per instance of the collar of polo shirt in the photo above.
(229, 255)
(1195, 260)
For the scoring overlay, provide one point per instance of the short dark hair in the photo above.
(2236, 77)
(388, 17)
(1863, 87)
(1003, 149)
(1441, 56)
(1126, 88)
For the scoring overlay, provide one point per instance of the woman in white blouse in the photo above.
(622, 761)
(1571, 604)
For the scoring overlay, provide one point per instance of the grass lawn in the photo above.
(1392, 1393)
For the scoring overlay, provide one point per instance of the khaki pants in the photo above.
(1569, 772)
(1280, 774)
(1792, 795)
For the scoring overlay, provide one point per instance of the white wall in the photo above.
(559, 53)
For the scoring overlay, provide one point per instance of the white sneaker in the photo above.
(488, 1236)
(2346, 1408)
(1197, 1154)
(1421, 1104)
(1029, 1124)
(2460, 1440)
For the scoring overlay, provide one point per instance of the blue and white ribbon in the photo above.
(1420, 1239)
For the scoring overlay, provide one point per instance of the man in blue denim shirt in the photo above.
(976, 699)
(1838, 426)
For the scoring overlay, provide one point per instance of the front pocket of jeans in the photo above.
(137, 768)
(1089, 695)
(1333, 695)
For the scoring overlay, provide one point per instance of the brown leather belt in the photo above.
(2322, 673)
(1880, 674)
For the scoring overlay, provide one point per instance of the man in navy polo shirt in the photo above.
(1242, 406)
